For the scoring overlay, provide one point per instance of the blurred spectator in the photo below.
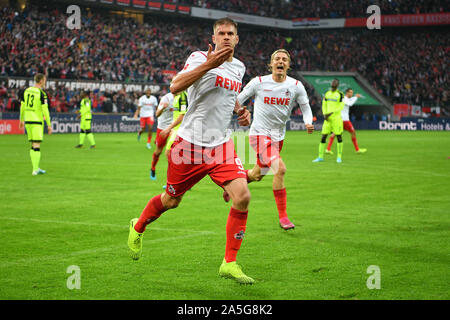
(408, 65)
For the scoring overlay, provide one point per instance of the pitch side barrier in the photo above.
(110, 123)
(68, 123)
(405, 124)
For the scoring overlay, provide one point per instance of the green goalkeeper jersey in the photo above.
(34, 106)
(333, 102)
(85, 109)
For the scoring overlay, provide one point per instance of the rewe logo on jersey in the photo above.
(228, 84)
(279, 101)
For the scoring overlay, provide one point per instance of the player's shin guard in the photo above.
(236, 225)
(155, 161)
(280, 200)
(152, 211)
(340, 147)
(35, 156)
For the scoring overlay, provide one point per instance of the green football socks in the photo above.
(35, 156)
(321, 149)
(340, 147)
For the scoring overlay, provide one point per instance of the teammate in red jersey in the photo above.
(275, 96)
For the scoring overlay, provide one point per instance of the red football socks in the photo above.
(355, 143)
(280, 200)
(330, 143)
(236, 225)
(154, 161)
(152, 211)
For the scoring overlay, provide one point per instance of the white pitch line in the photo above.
(124, 226)
(27, 261)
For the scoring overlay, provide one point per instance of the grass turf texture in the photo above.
(388, 207)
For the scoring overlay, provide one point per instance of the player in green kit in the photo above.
(86, 120)
(180, 106)
(332, 105)
(33, 111)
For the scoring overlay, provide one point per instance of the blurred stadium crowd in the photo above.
(406, 66)
(290, 9)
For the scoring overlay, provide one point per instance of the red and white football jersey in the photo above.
(166, 117)
(348, 103)
(148, 106)
(273, 105)
(211, 101)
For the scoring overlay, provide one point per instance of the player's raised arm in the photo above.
(214, 59)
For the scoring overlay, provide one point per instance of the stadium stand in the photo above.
(289, 9)
(114, 48)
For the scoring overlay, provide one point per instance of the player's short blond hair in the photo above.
(273, 56)
(38, 77)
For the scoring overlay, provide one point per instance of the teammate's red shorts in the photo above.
(159, 141)
(266, 150)
(147, 121)
(348, 126)
(189, 163)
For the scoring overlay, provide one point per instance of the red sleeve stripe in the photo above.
(296, 82)
(260, 79)
(203, 54)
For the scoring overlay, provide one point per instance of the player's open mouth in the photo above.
(280, 68)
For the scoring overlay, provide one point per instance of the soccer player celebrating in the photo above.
(164, 113)
(332, 105)
(146, 110)
(86, 120)
(203, 145)
(33, 111)
(275, 96)
(349, 101)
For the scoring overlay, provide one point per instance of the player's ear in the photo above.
(237, 39)
(213, 38)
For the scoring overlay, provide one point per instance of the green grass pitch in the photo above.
(389, 208)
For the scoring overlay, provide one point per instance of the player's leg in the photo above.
(155, 159)
(348, 126)
(35, 134)
(142, 128)
(149, 132)
(160, 144)
(82, 136)
(35, 156)
(322, 145)
(256, 173)
(181, 176)
(228, 172)
(279, 191)
(152, 211)
(340, 147)
(89, 134)
(235, 230)
(338, 128)
(330, 143)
